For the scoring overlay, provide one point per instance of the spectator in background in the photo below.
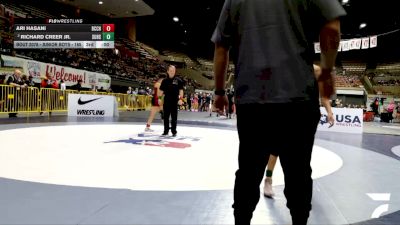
(196, 102)
(130, 91)
(142, 91)
(46, 83)
(148, 91)
(200, 101)
(16, 81)
(375, 107)
(2, 79)
(30, 81)
(24, 79)
(78, 86)
(189, 99)
(63, 86)
(208, 102)
(390, 110)
(203, 102)
(49, 82)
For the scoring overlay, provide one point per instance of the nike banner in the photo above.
(92, 105)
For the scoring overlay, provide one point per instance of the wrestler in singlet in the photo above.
(155, 100)
(156, 106)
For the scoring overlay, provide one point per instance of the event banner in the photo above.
(346, 120)
(353, 44)
(69, 75)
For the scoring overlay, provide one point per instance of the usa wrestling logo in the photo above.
(151, 140)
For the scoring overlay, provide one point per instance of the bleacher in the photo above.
(26, 11)
(392, 69)
(137, 47)
(347, 81)
(354, 68)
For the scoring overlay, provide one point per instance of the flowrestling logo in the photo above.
(83, 112)
(152, 140)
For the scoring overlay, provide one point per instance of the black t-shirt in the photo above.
(13, 79)
(171, 88)
(78, 87)
(230, 98)
(2, 79)
(208, 99)
(272, 46)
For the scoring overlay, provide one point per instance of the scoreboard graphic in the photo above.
(62, 33)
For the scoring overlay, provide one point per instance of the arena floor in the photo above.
(58, 170)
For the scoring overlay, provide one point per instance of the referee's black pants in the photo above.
(170, 110)
(287, 130)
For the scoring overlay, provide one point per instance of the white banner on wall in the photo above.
(346, 121)
(92, 106)
(317, 48)
(346, 46)
(69, 75)
(365, 43)
(12, 61)
(353, 44)
(358, 43)
(373, 42)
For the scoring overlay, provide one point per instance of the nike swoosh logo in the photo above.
(80, 102)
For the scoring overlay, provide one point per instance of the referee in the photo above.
(172, 89)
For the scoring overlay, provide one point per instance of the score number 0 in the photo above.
(108, 27)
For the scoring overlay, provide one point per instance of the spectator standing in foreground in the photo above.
(272, 46)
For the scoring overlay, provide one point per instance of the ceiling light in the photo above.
(136, 0)
(176, 19)
(345, 1)
(100, 2)
(363, 25)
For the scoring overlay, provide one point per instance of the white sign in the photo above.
(358, 43)
(352, 44)
(346, 46)
(374, 42)
(346, 121)
(92, 105)
(365, 43)
(317, 48)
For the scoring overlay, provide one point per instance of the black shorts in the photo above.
(279, 129)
